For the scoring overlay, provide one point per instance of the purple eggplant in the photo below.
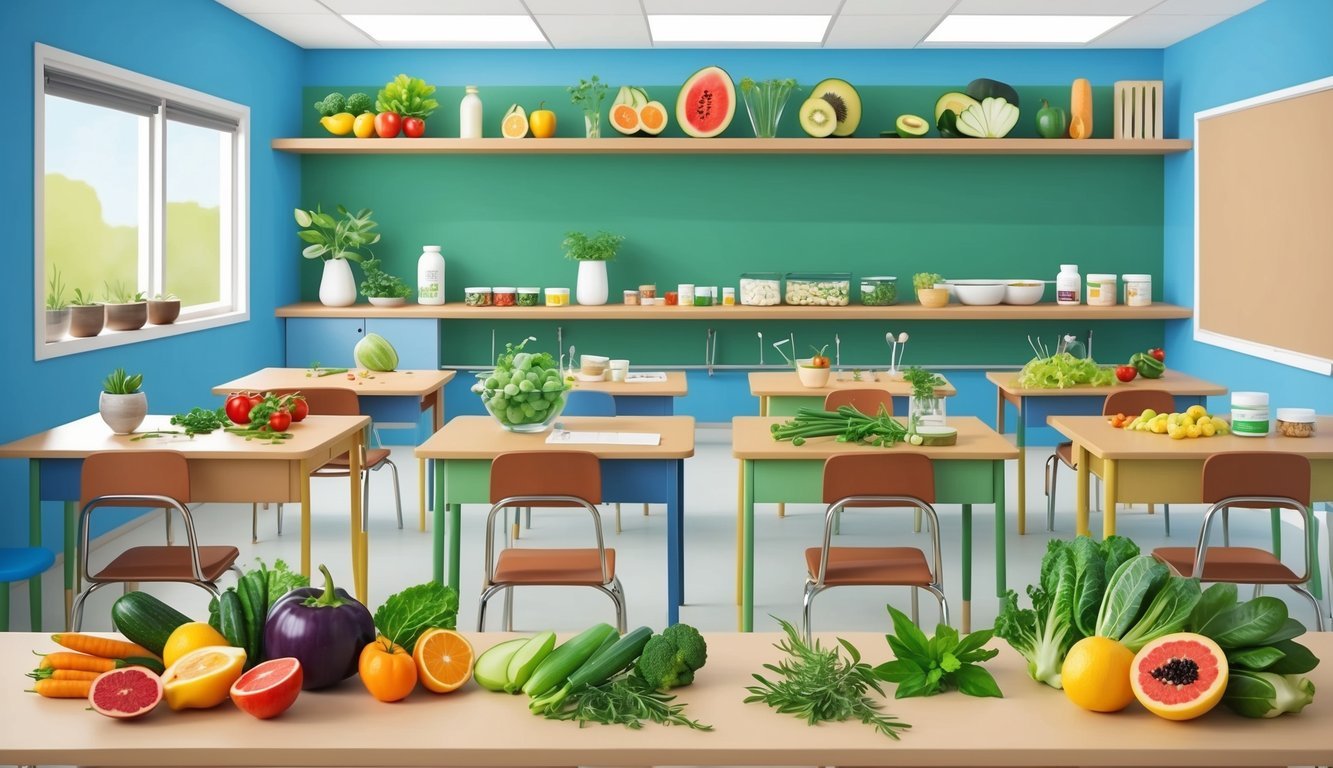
(325, 629)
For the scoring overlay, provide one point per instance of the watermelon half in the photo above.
(1180, 676)
(706, 103)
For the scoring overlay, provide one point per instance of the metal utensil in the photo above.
(761, 347)
(778, 345)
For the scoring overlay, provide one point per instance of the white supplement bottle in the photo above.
(469, 115)
(430, 276)
(1068, 285)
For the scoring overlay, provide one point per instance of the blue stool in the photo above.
(22, 564)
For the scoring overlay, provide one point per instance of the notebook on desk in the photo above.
(568, 437)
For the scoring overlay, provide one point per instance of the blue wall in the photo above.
(1277, 44)
(198, 44)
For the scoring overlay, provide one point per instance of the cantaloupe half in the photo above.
(1180, 676)
(652, 118)
(625, 109)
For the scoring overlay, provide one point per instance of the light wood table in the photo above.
(641, 398)
(393, 399)
(223, 468)
(343, 726)
(971, 472)
(1034, 406)
(463, 451)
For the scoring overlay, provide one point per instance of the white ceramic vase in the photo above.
(338, 287)
(591, 288)
(123, 413)
(57, 324)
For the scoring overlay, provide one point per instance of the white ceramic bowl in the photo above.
(813, 378)
(1024, 291)
(978, 292)
(387, 301)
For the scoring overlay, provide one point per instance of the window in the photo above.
(141, 189)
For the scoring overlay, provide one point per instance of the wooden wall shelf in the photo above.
(686, 146)
(853, 313)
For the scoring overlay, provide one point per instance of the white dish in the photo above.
(385, 301)
(978, 292)
(814, 378)
(1024, 291)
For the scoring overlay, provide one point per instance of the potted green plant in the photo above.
(382, 288)
(591, 253)
(588, 96)
(926, 292)
(126, 310)
(86, 316)
(336, 242)
(122, 405)
(163, 309)
(925, 408)
(57, 308)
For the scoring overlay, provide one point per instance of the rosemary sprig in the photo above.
(819, 685)
(625, 700)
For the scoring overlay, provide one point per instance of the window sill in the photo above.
(107, 339)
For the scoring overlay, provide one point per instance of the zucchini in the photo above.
(232, 622)
(145, 620)
(568, 657)
(527, 658)
(600, 668)
(252, 589)
(142, 661)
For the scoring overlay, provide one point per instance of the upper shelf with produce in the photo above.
(739, 146)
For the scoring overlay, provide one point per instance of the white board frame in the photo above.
(1245, 346)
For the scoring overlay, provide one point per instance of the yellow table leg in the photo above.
(1108, 502)
(421, 492)
(357, 529)
(1081, 490)
(305, 518)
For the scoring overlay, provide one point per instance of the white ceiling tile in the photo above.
(895, 7)
(1203, 7)
(1056, 7)
(585, 7)
(804, 7)
(491, 7)
(1155, 31)
(880, 31)
(313, 31)
(569, 31)
(274, 6)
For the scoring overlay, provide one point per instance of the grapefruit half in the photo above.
(1179, 676)
(126, 693)
(268, 689)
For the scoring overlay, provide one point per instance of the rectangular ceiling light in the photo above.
(751, 28)
(440, 28)
(1021, 29)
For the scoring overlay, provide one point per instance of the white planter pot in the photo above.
(123, 413)
(57, 324)
(338, 287)
(591, 288)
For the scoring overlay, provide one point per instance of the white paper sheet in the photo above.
(567, 437)
(645, 377)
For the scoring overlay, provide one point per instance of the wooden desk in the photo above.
(393, 399)
(1032, 726)
(223, 468)
(1034, 406)
(642, 398)
(971, 472)
(463, 451)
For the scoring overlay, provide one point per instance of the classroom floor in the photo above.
(399, 559)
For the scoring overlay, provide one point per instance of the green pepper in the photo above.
(1148, 366)
(1051, 122)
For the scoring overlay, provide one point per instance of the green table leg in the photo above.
(1275, 522)
(1316, 572)
(1020, 439)
(1000, 569)
(455, 542)
(747, 549)
(71, 584)
(966, 620)
(35, 539)
(437, 539)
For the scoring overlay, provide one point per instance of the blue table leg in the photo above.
(680, 529)
(675, 577)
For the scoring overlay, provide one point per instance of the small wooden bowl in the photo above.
(933, 297)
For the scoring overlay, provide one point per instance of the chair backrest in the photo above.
(1251, 473)
(879, 474)
(1135, 401)
(585, 402)
(328, 401)
(867, 401)
(135, 473)
(547, 473)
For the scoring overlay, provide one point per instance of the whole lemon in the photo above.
(190, 637)
(1095, 674)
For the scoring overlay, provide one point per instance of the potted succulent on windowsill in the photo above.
(125, 310)
(336, 243)
(591, 253)
(382, 288)
(407, 98)
(57, 309)
(121, 404)
(86, 317)
(163, 309)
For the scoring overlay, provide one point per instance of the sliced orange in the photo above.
(444, 660)
(515, 123)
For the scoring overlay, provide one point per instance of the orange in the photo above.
(515, 123)
(1096, 672)
(190, 637)
(444, 660)
(203, 678)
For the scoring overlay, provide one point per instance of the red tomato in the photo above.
(1126, 372)
(388, 124)
(300, 409)
(414, 127)
(1158, 353)
(238, 407)
(280, 421)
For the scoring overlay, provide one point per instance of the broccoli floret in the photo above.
(358, 103)
(332, 104)
(670, 659)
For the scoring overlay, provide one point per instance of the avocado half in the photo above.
(846, 103)
(911, 126)
(954, 102)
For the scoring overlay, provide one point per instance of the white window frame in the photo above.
(235, 235)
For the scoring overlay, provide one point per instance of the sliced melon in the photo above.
(846, 103)
(652, 118)
(818, 118)
(625, 119)
(911, 126)
(515, 123)
(954, 102)
(707, 103)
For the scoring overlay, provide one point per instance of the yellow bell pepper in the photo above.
(339, 124)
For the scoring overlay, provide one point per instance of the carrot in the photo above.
(106, 647)
(79, 661)
(50, 673)
(63, 689)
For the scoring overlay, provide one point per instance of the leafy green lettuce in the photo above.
(1063, 370)
(406, 616)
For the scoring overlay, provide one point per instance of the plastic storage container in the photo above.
(1101, 290)
(761, 289)
(826, 289)
(685, 295)
(632, 297)
(648, 291)
(1067, 285)
(557, 297)
(477, 297)
(1296, 422)
(703, 296)
(879, 291)
(728, 297)
(1249, 414)
(504, 297)
(1138, 290)
(529, 297)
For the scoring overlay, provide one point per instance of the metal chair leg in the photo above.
(515, 528)
(509, 609)
(807, 602)
(1226, 526)
(397, 493)
(527, 518)
(254, 523)
(617, 517)
(1052, 470)
(280, 518)
(166, 513)
(1166, 518)
(645, 510)
(1318, 609)
(622, 610)
(916, 607)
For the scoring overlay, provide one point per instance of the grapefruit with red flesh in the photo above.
(1180, 676)
(126, 693)
(268, 689)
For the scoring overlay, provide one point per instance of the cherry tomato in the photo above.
(388, 124)
(414, 127)
(1126, 372)
(1158, 353)
(299, 409)
(238, 407)
(280, 421)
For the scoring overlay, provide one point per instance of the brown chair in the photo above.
(901, 480)
(145, 479)
(867, 401)
(551, 479)
(1129, 401)
(336, 401)
(1250, 480)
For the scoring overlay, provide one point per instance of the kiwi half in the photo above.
(818, 117)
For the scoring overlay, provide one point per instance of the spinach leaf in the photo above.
(1089, 583)
(926, 666)
(1216, 600)
(1249, 623)
(1130, 589)
(1290, 629)
(1257, 659)
(1296, 659)
(1167, 613)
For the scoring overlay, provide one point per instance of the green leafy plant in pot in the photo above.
(336, 242)
(122, 405)
(86, 316)
(592, 253)
(382, 288)
(588, 96)
(126, 309)
(57, 308)
(925, 408)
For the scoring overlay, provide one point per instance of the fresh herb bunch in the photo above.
(55, 291)
(819, 685)
(408, 96)
(588, 95)
(117, 293)
(926, 666)
(625, 699)
(196, 421)
(924, 383)
(120, 383)
(926, 280)
(600, 247)
(847, 424)
(380, 284)
(330, 238)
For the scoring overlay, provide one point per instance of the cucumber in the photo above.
(231, 619)
(600, 668)
(492, 668)
(526, 660)
(563, 661)
(145, 620)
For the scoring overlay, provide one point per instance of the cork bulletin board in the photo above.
(1263, 234)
